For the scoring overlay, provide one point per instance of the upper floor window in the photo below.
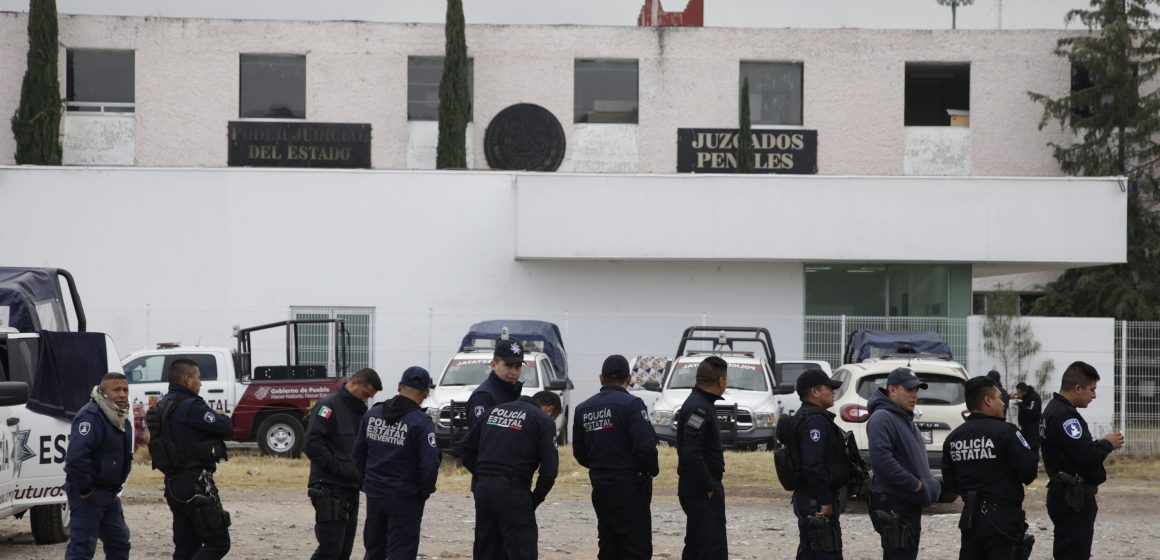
(937, 94)
(99, 81)
(423, 76)
(273, 86)
(775, 92)
(606, 91)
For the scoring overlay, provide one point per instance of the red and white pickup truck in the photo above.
(267, 404)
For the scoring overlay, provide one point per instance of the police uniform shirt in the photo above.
(397, 454)
(491, 392)
(330, 433)
(514, 440)
(823, 460)
(1030, 411)
(613, 437)
(99, 454)
(991, 457)
(194, 424)
(700, 458)
(1068, 445)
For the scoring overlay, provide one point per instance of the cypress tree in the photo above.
(745, 134)
(36, 124)
(454, 99)
(1114, 116)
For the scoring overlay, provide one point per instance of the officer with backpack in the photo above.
(815, 446)
(186, 442)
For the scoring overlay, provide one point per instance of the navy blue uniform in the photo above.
(1029, 415)
(198, 432)
(395, 449)
(503, 451)
(98, 460)
(824, 470)
(614, 439)
(989, 460)
(1068, 447)
(491, 392)
(330, 435)
(700, 468)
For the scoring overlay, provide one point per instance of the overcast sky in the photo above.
(892, 14)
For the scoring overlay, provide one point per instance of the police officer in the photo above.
(503, 382)
(395, 450)
(998, 379)
(96, 465)
(1075, 462)
(1029, 413)
(824, 468)
(334, 478)
(200, 524)
(701, 465)
(503, 451)
(988, 461)
(903, 483)
(614, 439)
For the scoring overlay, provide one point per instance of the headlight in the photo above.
(764, 419)
(662, 418)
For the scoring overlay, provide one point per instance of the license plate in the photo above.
(928, 437)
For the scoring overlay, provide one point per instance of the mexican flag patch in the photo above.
(325, 412)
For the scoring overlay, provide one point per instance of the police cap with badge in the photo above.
(509, 350)
(906, 377)
(813, 377)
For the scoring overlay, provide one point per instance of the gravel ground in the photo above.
(278, 524)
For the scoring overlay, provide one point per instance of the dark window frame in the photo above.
(88, 101)
(584, 108)
(412, 86)
(269, 58)
(758, 88)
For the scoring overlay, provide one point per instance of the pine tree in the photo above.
(1114, 116)
(745, 134)
(454, 99)
(36, 124)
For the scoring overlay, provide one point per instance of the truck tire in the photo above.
(562, 437)
(281, 435)
(49, 523)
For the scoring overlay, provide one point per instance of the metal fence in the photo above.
(1137, 386)
(826, 336)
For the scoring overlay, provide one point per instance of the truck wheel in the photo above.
(562, 437)
(280, 435)
(49, 523)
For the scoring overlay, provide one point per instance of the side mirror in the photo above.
(556, 384)
(784, 389)
(652, 385)
(13, 393)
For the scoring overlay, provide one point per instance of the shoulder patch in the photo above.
(209, 417)
(644, 414)
(325, 412)
(431, 439)
(477, 411)
(1022, 440)
(1073, 429)
(815, 435)
(695, 421)
(84, 428)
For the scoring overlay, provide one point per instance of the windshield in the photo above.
(941, 389)
(744, 377)
(473, 372)
(790, 371)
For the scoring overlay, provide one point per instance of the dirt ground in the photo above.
(278, 524)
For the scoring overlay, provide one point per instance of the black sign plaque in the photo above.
(714, 150)
(524, 137)
(299, 144)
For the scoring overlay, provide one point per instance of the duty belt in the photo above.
(510, 480)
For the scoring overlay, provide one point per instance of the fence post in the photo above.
(842, 342)
(1123, 377)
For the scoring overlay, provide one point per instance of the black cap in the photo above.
(615, 367)
(417, 378)
(905, 377)
(1020, 386)
(813, 377)
(510, 351)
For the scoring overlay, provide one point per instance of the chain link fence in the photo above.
(826, 336)
(1137, 386)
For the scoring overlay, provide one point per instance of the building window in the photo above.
(878, 290)
(606, 91)
(775, 92)
(423, 76)
(99, 81)
(937, 94)
(273, 86)
(315, 345)
(1084, 105)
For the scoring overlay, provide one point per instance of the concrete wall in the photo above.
(187, 85)
(98, 140)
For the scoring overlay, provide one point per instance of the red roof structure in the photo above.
(692, 16)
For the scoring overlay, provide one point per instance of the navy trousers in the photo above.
(623, 521)
(392, 528)
(97, 517)
(189, 541)
(803, 507)
(505, 521)
(1074, 530)
(704, 526)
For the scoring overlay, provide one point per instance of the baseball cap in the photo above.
(813, 377)
(417, 378)
(905, 377)
(615, 367)
(510, 351)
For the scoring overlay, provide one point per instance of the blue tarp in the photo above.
(872, 344)
(21, 289)
(535, 331)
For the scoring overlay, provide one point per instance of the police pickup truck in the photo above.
(46, 375)
(545, 368)
(267, 404)
(754, 394)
